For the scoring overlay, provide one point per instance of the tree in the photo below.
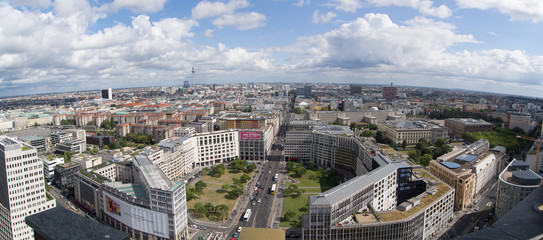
(404, 143)
(425, 159)
(235, 193)
(90, 123)
(250, 168)
(205, 171)
(199, 210)
(289, 215)
(226, 187)
(244, 178)
(67, 122)
(191, 194)
(218, 170)
(368, 133)
(200, 185)
(380, 137)
(108, 124)
(298, 110)
(237, 182)
(373, 126)
(221, 211)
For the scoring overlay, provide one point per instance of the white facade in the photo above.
(22, 188)
(485, 171)
(49, 167)
(384, 195)
(217, 147)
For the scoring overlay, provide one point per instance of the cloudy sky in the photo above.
(67, 45)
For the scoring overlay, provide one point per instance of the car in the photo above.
(256, 188)
(258, 200)
(239, 229)
(251, 198)
(236, 234)
(253, 203)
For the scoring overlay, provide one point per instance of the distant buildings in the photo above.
(390, 93)
(515, 183)
(356, 89)
(412, 131)
(107, 93)
(22, 190)
(519, 119)
(458, 126)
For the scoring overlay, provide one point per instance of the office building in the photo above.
(412, 131)
(519, 119)
(73, 146)
(22, 188)
(470, 169)
(458, 126)
(186, 84)
(390, 93)
(215, 148)
(64, 174)
(107, 93)
(515, 183)
(135, 197)
(178, 158)
(391, 201)
(49, 167)
(299, 140)
(356, 89)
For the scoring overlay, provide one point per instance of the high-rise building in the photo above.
(389, 93)
(519, 119)
(186, 84)
(356, 89)
(22, 188)
(107, 93)
(308, 91)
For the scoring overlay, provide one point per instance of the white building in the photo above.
(178, 156)
(217, 147)
(485, 171)
(49, 167)
(22, 188)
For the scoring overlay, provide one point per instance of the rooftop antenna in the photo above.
(193, 81)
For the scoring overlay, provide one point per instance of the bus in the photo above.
(247, 215)
(273, 189)
(276, 177)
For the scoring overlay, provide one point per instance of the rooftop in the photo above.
(425, 199)
(346, 189)
(519, 173)
(134, 190)
(465, 162)
(47, 224)
(470, 121)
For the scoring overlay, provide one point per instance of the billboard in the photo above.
(138, 218)
(249, 135)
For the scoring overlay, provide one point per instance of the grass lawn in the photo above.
(210, 194)
(293, 204)
(311, 187)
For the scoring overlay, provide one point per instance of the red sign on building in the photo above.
(250, 135)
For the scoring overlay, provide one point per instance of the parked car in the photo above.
(239, 229)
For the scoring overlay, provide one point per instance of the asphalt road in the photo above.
(481, 215)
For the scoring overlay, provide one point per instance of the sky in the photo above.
(71, 45)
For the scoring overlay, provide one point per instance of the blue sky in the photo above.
(67, 45)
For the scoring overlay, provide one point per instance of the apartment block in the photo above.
(217, 147)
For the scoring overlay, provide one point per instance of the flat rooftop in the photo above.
(60, 224)
(465, 162)
(411, 125)
(134, 190)
(425, 199)
(250, 233)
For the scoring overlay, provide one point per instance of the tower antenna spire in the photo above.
(193, 79)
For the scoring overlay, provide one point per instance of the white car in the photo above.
(239, 229)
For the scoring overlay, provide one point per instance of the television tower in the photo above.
(193, 81)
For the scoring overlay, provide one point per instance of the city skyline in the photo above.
(82, 45)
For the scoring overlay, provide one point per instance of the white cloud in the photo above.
(424, 6)
(301, 3)
(31, 3)
(347, 5)
(322, 18)
(139, 6)
(241, 21)
(205, 9)
(54, 51)
(516, 9)
(413, 53)
(209, 33)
